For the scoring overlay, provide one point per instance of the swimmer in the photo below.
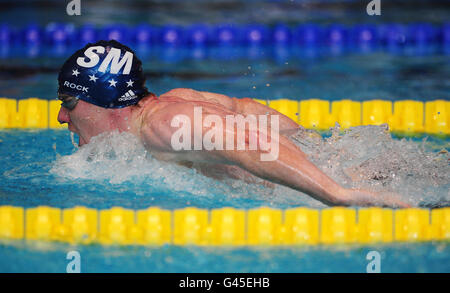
(102, 89)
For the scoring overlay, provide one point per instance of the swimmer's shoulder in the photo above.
(180, 100)
(199, 96)
(163, 108)
(153, 103)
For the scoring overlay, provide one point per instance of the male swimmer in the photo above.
(102, 89)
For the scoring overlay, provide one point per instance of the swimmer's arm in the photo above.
(290, 166)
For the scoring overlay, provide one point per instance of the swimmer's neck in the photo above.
(136, 114)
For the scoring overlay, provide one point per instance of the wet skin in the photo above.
(150, 120)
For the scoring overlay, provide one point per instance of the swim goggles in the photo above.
(68, 102)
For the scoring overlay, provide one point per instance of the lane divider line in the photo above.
(227, 226)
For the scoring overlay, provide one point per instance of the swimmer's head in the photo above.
(107, 74)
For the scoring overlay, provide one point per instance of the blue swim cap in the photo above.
(106, 73)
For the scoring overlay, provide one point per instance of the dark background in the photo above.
(219, 11)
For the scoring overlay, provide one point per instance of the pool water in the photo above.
(181, 12)
(411, 258)
(289, 74)
(114, 170)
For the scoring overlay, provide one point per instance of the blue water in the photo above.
(291, 75)
(411, 258)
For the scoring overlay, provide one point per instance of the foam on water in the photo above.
(364, 157)
(368, 157)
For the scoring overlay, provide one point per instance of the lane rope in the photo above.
(403, 116)
(225, 226)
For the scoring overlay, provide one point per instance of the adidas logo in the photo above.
(128, 96)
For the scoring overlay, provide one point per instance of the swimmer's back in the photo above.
(197, 96)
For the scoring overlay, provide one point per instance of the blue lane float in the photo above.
(171, 35)
(231, 41)
(308, 34)
(197, 35)
(87, 34)
(281, 35)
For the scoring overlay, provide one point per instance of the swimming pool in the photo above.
(43, 167)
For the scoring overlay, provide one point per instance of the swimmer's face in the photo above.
(86, 120)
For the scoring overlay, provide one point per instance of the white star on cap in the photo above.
(130, 83)
(112, 82)
(93, 78)
(75, 72)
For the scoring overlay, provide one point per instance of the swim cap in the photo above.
(106, 73)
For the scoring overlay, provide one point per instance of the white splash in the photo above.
(365, 157)
(121, 158)
(368, 157)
